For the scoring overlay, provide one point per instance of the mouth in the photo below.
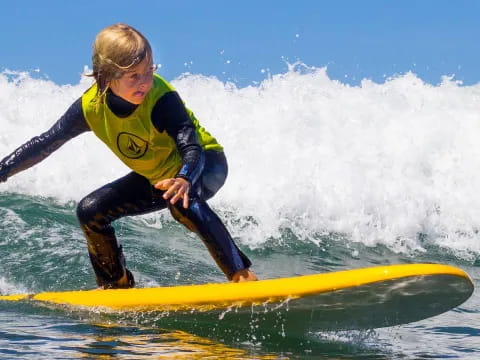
(139, 94)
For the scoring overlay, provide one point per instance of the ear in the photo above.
(109, 83)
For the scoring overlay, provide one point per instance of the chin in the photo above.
(136, 100)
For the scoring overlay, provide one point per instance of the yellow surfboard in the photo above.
(353, 299)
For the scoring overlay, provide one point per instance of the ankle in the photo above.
(125, 282)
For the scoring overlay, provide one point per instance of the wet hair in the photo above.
(116, 49)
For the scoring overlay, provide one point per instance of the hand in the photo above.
(176, 189)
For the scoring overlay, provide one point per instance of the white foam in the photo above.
(30, 107)
(380, 163)
(8, 288)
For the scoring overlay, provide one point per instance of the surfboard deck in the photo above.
(353, 299)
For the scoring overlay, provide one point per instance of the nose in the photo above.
(142, 85)
(145, 81)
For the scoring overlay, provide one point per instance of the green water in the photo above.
(43, 249)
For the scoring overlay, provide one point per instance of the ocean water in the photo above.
(324, 176)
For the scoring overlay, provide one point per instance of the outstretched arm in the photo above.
(71, 124)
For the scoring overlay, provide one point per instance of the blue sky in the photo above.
(243, 41)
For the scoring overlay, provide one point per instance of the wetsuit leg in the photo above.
(201, 219)
(129, 195)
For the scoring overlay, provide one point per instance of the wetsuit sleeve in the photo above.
(71, 124)
(169, 114)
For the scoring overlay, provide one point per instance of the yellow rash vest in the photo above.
(135, 140)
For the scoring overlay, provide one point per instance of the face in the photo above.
(135, 83)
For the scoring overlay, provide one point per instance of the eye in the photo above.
(134, 76)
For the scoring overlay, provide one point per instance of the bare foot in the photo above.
(243, 275)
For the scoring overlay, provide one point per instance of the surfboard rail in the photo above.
(216, 296)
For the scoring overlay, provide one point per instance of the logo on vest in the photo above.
(131, 146)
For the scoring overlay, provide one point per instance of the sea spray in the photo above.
(394, 164)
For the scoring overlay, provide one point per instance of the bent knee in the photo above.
(86, 210)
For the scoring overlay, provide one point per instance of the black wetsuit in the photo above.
(133, 194)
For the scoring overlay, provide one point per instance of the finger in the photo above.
(164, 184)
(178, 195)
(186, 200)
(171, 191)
(186, 197)
(159, 185)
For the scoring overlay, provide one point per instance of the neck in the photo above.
(118, 105)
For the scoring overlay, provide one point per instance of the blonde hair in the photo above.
(116, 49)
